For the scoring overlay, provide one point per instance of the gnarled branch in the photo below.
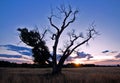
(51, 23)
(90, 35)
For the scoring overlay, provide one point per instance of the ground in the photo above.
(69, 75)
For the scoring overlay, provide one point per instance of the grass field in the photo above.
(69, 75)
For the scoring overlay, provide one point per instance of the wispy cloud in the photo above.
(114, 51)
(109, 51)
(17, 54)
(109, 62)
(117, 56)
(19, 49)
(10, 56)
(16, 60)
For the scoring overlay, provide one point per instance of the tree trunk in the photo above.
(56, 70)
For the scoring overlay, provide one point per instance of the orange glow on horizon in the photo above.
(77, 61)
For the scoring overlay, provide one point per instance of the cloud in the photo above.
(16, 54)
(117, 56)
(10, 56)
(19, 49)
(89, 56)
(18, 60)
(105, 51)
(108, 51)
(109, 62)
(114, 52)
(83, 55)
(59, 56)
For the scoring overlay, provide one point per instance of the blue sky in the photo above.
(29, 13)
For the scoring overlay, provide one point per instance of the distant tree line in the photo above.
(24, 65)
(69, 65)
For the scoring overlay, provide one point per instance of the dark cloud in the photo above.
(89, 56)
(108, 51)
(83, 55)
(117, 56)
(79, 56)
(105, 51)
(59, 56)
(10, 56)
(19, 49)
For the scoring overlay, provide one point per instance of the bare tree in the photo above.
(68, 17)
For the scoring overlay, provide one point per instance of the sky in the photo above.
(104, 49)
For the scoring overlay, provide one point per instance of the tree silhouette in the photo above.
(40, 50)
(32, 38)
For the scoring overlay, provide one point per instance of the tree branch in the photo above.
(43, 35)
(66, 16)
(73, 19)
(50, 19)
(75, 37)
(90, 35)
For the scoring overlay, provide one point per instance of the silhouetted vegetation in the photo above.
(32, 38)
(24, 65)
(73, 65)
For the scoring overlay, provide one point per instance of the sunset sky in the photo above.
(104, 49)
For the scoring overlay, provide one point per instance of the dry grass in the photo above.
(70, 75)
